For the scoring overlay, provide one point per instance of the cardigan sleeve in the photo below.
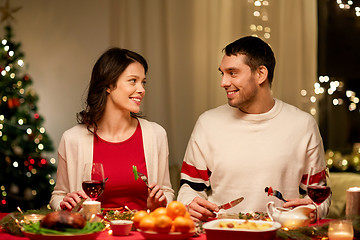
(62, 181)
(157, 156)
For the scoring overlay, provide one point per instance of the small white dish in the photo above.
(121, 227)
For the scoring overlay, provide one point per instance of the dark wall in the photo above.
(339, 58)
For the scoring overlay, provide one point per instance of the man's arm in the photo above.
(195, 178)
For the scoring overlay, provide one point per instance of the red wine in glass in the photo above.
(318, 193)
(93, 188)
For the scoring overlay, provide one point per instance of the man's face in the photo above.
(238, 81)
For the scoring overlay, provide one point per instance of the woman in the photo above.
(110, 132)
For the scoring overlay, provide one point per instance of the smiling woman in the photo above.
(111, 132)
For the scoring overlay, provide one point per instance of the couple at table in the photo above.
(235, 150)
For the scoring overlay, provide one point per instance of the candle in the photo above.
(353, 202)
(33, 218)
(340, 236)
(341, 230)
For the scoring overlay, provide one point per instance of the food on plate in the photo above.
(138, 216)
(173, 218)
(183, 224)
(254, 216)
(63, 223)
(60, 220)
(163, 224)
(117, 214)
(175, 209)
(245, 225)
(147, 223)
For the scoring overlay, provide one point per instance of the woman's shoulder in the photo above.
(76, 132)
(149, 125)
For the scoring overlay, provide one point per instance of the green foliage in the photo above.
(24, 170)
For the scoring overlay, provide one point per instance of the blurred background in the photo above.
(315, 44)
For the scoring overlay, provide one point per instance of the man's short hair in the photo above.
(258, 53)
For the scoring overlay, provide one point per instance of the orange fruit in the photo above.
(138, 216)
(183, 224)
(147, 223)
(163, 224)
(175, 209)
(187, 215)
(159, 211)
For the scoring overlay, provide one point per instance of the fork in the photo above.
(144, 178)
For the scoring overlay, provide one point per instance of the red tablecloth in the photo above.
(104, 235)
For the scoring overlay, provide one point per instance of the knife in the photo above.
(231, 204)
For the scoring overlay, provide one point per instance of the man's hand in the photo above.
(201, 209)
(298, 202)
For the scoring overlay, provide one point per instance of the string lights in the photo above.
(260, 28)
(347, 5)
(25, 173)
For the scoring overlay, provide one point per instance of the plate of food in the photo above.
(63, 225)
(230, 229)
(117, 213)
(151, 235)
(87, 236)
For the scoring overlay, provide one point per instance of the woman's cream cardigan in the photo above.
(76, 149)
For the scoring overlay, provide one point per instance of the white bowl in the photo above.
(121, 227)
(214, 232)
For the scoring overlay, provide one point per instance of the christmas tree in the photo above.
(25, 173)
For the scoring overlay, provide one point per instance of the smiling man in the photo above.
(254, 141)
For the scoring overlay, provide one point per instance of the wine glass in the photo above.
(94, 184)
(317, 193)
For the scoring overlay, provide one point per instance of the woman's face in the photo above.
(129, 90)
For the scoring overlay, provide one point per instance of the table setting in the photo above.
(87, 220)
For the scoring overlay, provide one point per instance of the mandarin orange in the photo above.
(138, 216)
(147, 223)
(183, 225)
(175, 209)
(163, 224)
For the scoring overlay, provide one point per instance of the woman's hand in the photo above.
(301, 201)
(71, 199)
(156, 197)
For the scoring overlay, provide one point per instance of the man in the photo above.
(253, 142)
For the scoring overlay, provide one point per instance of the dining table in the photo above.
(134, 235)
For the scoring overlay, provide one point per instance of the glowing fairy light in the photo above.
(20, 63)
(4, 42)
(52, 160)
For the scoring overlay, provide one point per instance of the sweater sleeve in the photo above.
(194, 172)
(315, 158)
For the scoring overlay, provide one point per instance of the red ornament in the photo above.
(36, 116)
(13, 102)
(26, 78)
